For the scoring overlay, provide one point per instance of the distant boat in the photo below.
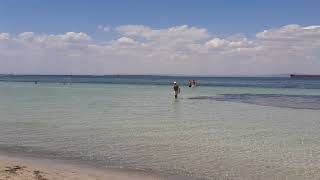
(305, 76)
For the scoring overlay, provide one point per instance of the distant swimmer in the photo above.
(190, 83)
(194, 84)
(176, 89)
(35, 82)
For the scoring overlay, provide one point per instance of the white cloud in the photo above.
(68, 37)
(172, 33)
(179, 49)
(104, 28)
(125, 40)
(25, 35)
(4, 36)
(216, 43)
(290, 32)
(72, 36)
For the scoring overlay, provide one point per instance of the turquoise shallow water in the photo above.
(144, 127)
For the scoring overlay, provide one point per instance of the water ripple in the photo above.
(275, 100)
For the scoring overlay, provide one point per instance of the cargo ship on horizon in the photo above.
(305, 76)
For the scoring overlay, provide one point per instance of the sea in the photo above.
(242, 128)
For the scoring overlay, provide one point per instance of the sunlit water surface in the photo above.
(144, 127)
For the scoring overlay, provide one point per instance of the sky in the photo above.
(208, 37)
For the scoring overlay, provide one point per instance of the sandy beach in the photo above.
(14, 168)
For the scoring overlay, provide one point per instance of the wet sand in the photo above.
(17, 168)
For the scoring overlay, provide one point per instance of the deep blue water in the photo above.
(265, 82)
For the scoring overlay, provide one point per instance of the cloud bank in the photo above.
(182, 49)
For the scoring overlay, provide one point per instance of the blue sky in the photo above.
(220, 17)
(204, 37)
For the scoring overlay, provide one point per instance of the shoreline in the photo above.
(17, 167)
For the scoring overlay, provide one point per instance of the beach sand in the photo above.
(14, 168)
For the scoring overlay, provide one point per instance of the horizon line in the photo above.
(186, 75)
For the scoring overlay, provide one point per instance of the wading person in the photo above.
(176, 89)
(194, 83)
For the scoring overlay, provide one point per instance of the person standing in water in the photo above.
(176, 89)
(190, 83)
(194, 84)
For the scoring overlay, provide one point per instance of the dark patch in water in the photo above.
(276, 100)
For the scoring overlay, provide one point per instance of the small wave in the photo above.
(276, 100)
